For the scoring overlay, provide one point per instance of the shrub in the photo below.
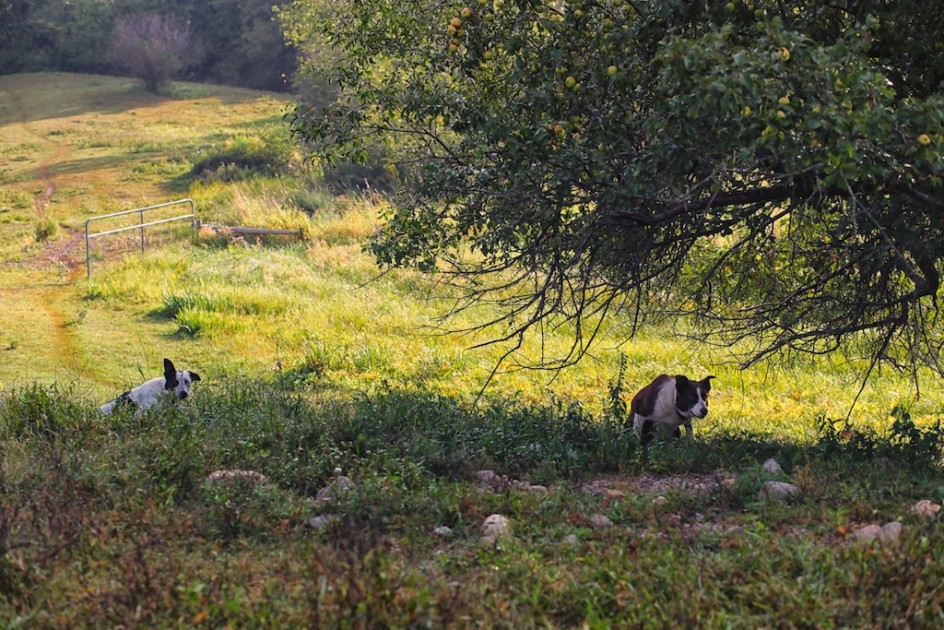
(243, 156)
(47, 229)
(372, 174)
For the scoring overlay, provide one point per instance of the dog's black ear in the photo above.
(706, 382)
(681, 381)
(194, 376)
(170, 374)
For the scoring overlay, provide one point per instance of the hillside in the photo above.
(333, 466)
(75, 146)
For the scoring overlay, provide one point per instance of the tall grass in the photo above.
(321, 307)
(314, 362)
(122, 506)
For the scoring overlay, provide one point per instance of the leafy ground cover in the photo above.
(312, 361)
(115, 520)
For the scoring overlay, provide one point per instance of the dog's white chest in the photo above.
(664, 410)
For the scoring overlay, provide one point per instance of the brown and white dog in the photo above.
(672, 401)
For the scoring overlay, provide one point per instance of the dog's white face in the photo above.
(175, 382)
(185, 380)
(691, 398)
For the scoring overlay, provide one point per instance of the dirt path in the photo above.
(64, 252)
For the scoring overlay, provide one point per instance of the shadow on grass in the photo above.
(276, 425)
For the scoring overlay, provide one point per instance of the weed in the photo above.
(46, 229)
(35, 412)
(902, 442)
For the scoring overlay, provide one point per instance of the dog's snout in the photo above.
(183, 394)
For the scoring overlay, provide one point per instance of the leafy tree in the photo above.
(152, 47)
(771, 170)
(43, 34)
(243, 43)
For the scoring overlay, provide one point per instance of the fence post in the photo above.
(88, 253)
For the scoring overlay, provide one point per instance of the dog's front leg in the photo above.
(689, 432)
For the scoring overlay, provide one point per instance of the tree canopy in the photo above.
(770, 170)
(241, 42)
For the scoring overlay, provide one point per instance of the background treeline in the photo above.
(239, 42)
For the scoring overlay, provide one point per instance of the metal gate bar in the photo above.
(140, 226)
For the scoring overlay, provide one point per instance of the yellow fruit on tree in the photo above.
(785, 54)
(924, 139)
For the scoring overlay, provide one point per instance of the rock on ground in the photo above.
(494, 528)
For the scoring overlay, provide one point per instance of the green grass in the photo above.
(112, 520)
(312, 360)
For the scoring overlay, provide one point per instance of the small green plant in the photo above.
(40, 412)
(615, 405)
(46, 229)
(903, 441)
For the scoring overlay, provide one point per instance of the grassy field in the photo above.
(311, 361)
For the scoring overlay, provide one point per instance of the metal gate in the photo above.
(139, 226)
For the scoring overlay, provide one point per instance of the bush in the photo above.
(373, 174)
(47, 229)
(244, 156)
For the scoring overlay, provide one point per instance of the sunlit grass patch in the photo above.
(255, 301)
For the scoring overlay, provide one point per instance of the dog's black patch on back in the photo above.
(125, 400)
(644, 402)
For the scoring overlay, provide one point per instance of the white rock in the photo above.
(490, 479)
(600, 521)
(537, 488)
(772, 466)
(321, 523)
(867, 533)
(779, 490)
(495, 527)
(442, 531)
(889, 532)
(570, 539)
(336, 487)
(659, 501)
(927, 509)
